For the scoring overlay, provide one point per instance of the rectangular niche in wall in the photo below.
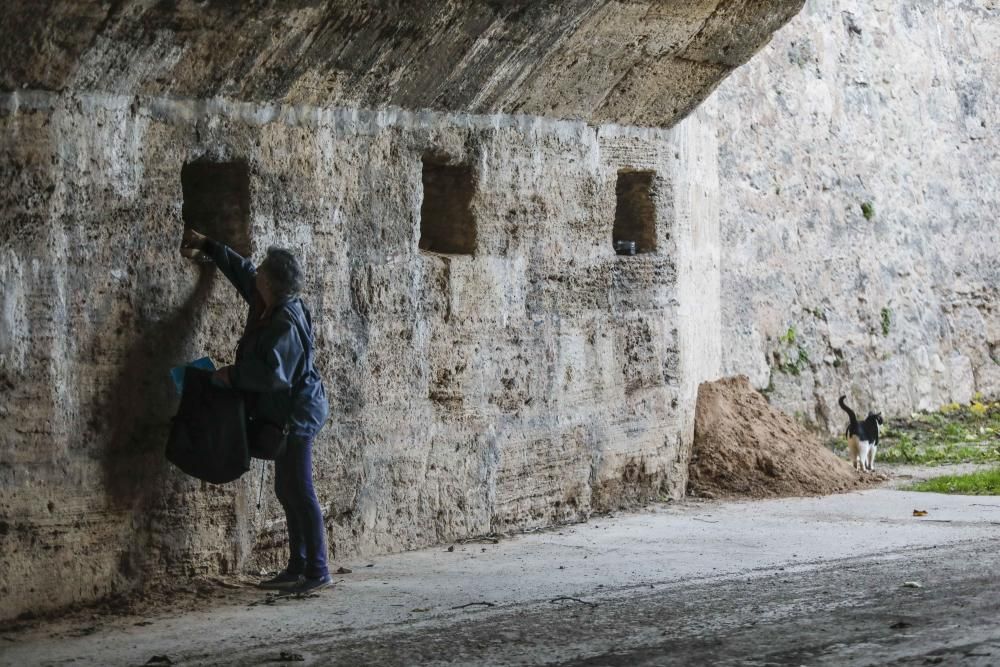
(635, 214)
(217, 201)
(447, 225)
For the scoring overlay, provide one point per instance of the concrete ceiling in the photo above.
(634, 62)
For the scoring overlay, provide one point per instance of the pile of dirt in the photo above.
(744, 447)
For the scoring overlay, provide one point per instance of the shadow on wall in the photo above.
(139, 407)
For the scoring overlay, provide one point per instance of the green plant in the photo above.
(886, 321)
(803, 356)
(794, 358)
(796, 365)
(868, 210)
(955, 434)
(982, 483)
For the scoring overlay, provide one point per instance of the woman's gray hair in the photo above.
(283, 272)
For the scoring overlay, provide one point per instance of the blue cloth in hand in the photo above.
(177, 372)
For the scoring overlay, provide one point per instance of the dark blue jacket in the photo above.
(275, 357)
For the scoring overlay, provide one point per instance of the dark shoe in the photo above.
(310, 584)
(284, 580)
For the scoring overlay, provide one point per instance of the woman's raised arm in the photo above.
(239, 270)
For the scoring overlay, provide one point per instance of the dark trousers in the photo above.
(294, 487)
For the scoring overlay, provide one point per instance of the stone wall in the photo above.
(525, 375)
(632, 62)
(860, 170)
(537, 380)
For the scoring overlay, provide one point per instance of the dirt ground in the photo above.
(745, 448)
(781, 581)
(157, 607)
(134, 610)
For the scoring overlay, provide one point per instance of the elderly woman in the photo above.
(274, 369)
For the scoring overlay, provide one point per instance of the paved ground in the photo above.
(806, 581)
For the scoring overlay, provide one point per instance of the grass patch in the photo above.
(955, 434)
(793, 358)
(982, 483)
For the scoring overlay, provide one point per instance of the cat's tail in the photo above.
(850, 413)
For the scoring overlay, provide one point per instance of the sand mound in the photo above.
(744, 447)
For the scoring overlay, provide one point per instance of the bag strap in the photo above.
(306, 334)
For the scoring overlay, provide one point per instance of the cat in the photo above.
(862, 438)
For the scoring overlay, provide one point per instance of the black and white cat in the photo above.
(862, 438)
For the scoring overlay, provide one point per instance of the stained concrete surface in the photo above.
(792, 581)
(641, 62)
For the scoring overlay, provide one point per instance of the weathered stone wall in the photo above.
(896, 104)
(632, 62)
(536, 381)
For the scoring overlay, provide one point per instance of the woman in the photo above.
(274, 368)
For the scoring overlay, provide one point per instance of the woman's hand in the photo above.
(193, 244)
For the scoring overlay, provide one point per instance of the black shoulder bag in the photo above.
(266, 440)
